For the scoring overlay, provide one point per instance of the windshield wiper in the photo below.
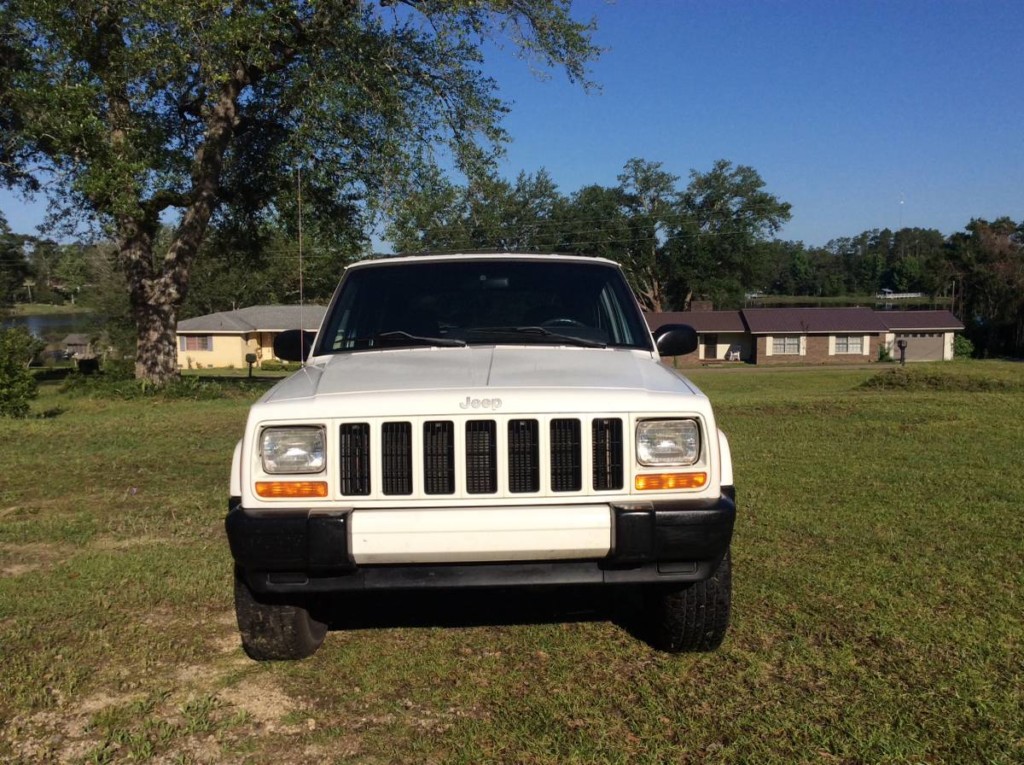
(401, 337)
(539, 334)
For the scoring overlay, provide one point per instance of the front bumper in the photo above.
(675, 541)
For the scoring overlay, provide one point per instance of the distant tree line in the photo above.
(715, 240)
(712, 240)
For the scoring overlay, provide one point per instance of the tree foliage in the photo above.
(489, 213)
(17, 385)
(14, 269)
(141, 112)
(708, 238)
(987, 265)
(718, 243)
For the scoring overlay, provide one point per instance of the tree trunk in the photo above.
(156, 358)
(157, 290)
(154, 298)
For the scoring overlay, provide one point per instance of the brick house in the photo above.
(766, 336)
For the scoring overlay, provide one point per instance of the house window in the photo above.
(849, 344)
(195, 343)
(787, 345)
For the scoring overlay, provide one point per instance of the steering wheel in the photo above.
(562, 321)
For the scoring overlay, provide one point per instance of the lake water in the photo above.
(53, 326)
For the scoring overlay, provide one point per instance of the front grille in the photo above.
(439, 457)
(481, 457)
(396, 457)
(566, 451)
(354, 452)
(434, 465)
(523, 456)
(607, 441)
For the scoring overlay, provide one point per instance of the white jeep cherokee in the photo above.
(481, 421)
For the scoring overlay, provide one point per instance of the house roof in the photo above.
(909, 321)
(75, 338)
(811, 321)
(256, 318)
(702, 321)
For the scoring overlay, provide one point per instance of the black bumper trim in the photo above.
(674, 541)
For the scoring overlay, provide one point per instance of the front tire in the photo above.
(273, 630)
(691, 618)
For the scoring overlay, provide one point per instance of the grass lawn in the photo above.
(878, 572)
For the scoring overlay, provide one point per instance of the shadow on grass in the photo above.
(477, 608)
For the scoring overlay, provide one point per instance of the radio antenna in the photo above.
(302, 324)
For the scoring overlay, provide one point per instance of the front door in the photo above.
(710, 346)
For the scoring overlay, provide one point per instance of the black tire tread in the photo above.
(274, 631)
(694, 618)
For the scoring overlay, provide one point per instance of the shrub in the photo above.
(17, 385)
(189, 387)
(962, 348)
(929, 378)
(274, 365)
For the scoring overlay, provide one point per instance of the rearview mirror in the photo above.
(293, 344)
(676, 339)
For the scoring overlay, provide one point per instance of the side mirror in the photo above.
(676, 339)
(293, 344)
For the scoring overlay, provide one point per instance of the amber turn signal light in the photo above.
(291, 489)
(664, 481)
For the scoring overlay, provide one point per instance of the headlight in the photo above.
(667, 442)
(292, 450)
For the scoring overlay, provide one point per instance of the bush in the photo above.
(949, 380)
(962, 348)
(273, 365)
(17, 384)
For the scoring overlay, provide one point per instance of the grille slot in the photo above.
(566, 471)
(481, 457)
(396, 457)
(523, 456)
(439, 457)
(537, 455)
(354, 459)
(607, 449)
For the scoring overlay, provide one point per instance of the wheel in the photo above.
(694, 617)
(274, 630)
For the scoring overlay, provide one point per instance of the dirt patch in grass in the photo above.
(196, 713)
(18, 560)
(264, 702)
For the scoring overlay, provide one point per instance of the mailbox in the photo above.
(250, 359)
(902, 345)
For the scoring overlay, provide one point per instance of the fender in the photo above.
(235, 486)
(725, 455)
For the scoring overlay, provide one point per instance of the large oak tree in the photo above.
(145, 113)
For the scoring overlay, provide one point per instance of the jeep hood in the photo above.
(480, 371)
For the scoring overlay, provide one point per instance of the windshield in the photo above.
(483, 302)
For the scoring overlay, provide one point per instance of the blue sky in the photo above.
(844, 108)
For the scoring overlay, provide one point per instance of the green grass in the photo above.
(877, 606)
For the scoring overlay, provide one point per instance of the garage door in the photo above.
(922, 346)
